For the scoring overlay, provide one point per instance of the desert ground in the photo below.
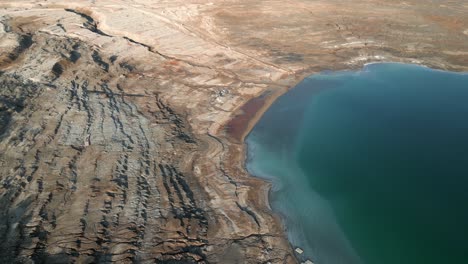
(122, 122)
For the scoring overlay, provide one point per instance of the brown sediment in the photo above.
(241, 124)
(250, 113)
(237, 126)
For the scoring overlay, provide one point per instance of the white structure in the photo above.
(299, 251)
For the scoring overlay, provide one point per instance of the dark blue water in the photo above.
(370, 166)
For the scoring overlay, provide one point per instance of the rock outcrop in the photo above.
(113, 145)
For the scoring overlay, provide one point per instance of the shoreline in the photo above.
(269, 97)
(252, 119)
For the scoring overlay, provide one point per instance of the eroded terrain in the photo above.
(114, 116)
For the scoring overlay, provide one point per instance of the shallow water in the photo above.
(370, 166)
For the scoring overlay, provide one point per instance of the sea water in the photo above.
(370, 166)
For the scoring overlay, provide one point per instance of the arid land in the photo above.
(122, 122)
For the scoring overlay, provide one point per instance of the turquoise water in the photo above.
(370, 166)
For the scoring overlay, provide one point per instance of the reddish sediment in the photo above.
(238, 126)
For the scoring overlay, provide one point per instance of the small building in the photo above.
(299, 250)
